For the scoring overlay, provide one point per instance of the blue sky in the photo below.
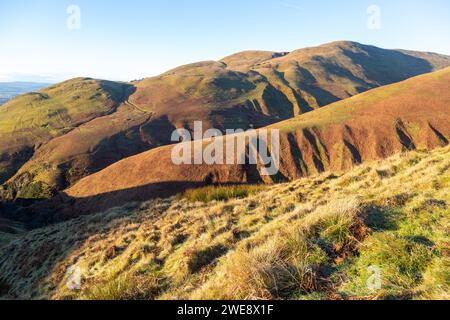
(126, 40)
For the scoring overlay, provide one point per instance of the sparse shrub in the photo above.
(192, 260)
(290, 263)
(338, 229)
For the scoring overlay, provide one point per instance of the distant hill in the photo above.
(413, 114)
(34, 119)
(10, 90)
(81, 126)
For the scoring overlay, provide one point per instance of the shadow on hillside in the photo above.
(36, 213)
(388, 66)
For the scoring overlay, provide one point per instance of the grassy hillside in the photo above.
(209, 91)
(10, 90)
(314, 238)
(114, 121)
(377, 124)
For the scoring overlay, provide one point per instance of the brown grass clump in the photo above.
(126, 287)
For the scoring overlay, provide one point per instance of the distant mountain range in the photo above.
(10, 90)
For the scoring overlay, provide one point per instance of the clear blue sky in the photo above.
(125, 40)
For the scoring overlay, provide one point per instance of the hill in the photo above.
(413, 114)
(82, 126)
(322, 237)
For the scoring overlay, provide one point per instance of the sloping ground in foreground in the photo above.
(317, 238)
(413, 114)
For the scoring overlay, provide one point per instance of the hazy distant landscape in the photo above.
(10, 90)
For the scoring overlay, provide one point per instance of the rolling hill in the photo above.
(413, 114)
(52, 139)
(32, 120)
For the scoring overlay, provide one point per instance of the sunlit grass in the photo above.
(220, 193)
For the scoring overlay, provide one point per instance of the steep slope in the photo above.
(413, 114)
(256, 87)
(314, 238)
(249, 89)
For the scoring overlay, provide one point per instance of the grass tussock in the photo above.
(316, 238)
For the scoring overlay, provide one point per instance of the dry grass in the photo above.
(313, 238)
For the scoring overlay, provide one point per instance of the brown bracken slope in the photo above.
(413, 114)
(52, 139)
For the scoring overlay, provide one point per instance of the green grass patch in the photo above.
(220, 193)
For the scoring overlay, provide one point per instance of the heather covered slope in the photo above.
(314, 238)
(413, 114)
(250, 89)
